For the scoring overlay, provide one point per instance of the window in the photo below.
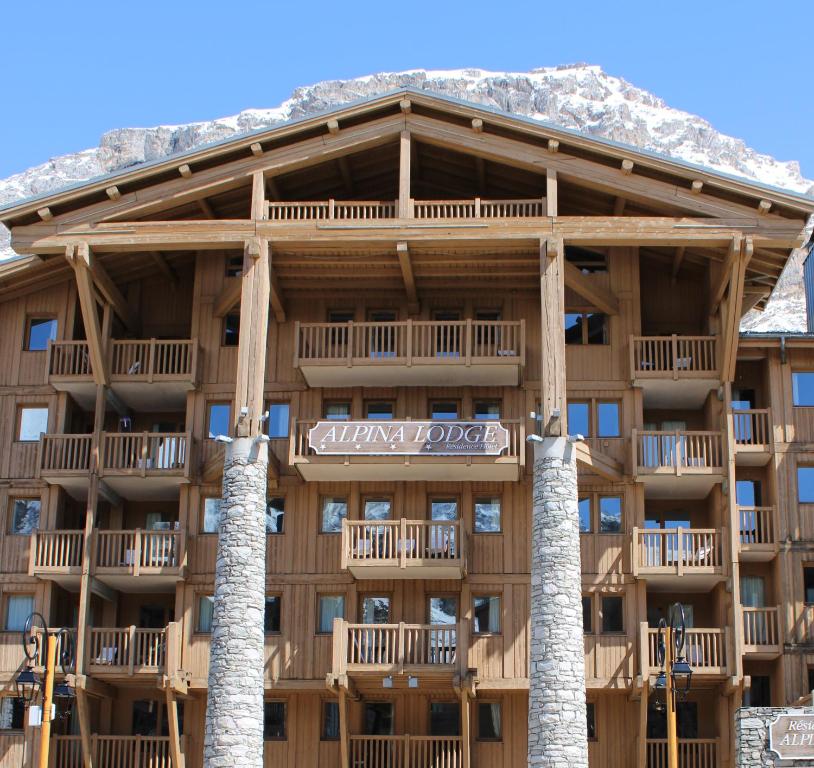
(231, 329)
(379, 411)
(487, 410)
(612, 614)
(607, 419)
(444, 509)
(12, 714)
(234, 266)
(486, 615)
(579, 419)
(808, 585)
(337, 411)
(586, 261)
(33, 422)
(330, 721)
(273, 721)
(278, 420)
(585, 515)
(39, 331)
(18, 609)
(206, 608)
(211, 515)
(374, 610)
(378, 718)
(805, 485)
(590, 713)
(334, 511)
(217, 420)
(487, 515)
(442, 609)
(271, 621)
(610, 514)
(802, 387)
(445, 718)
(330, 607)
(341, 316)
(490, 721)
(587, 614)
(446, 410)
(275, 514)
(760, 694)
(377, 509)
(748, 493)
(586, 328)
(25, 516)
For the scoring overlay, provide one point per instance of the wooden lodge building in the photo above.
(411, 242)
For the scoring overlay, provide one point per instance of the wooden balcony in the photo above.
(170, 367)
(347, 467)
(754, 442)
(404, 751)
(681, 463)
(128, 652)
(762, 635)
(140, 466)
(12, 658)
(411, 352)
(404, 549)
(112, 752)
(674, 371)
(707, 651)
(692, 753)
(422, 650)
(157, 558)
(57, 556)
(758, 534)
(689, 559)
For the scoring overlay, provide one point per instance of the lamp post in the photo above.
(29, 684)
(675, 674)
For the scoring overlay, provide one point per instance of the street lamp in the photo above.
(675, 674)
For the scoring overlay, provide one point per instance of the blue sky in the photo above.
(75, 70)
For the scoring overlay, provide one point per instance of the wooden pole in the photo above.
(45, 726)
(672, 737)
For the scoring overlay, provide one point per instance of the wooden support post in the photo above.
(465, 727)
(90, 315)
(84, 727)
(552, 300)
(176, 755)
(597, 295)
(404, 211)
(407, 276)
(551, 192)
(343, 726)
(258, 195)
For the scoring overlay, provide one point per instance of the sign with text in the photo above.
(409, 438)
(791, 736)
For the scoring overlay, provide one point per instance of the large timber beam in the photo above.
(599, 462)
(408, 277)
(106, 287)
(725, 275)
(228, 297)
(90, 314)
(731, 309)
(405, 154)
(552, 302)
(597, 295)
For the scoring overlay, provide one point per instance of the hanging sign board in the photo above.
(791, 736)
(409, 438)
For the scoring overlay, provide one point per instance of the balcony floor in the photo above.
(752, 455)
(417, 569)
(384, 374)
(670, 486)
(672, 393)
(336, 469)
(658, 581)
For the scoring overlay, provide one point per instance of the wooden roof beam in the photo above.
(166, 270)
(731, 309)
(599, 461)
(719, 288)
(78, 258)
(347, 178)
(206, 208)
(113, 192)
(697, 186)
(678, 257)
(185, 171)
(627, 167)
(228, 298)
(45, 214)
(477, 125)
(107, 288)
(403, 252)
(597, 295)
(257, 149)
(553, 146)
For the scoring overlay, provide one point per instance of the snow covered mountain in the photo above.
(577, 96)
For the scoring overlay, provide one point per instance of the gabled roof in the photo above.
(727, 186)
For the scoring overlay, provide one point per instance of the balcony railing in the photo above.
(393, 647)
(752, 427)
(403, 544)
(138, 551)
(126, 651)
(692, 753)
(677, 551)
(56, 552)
(112, 752)
(673, 357)
(360, 210)
(69, 359)
(761, 629)
(405, 751)
(411, 342)
(706, 650)
(680, 452)
(12, 658)
(757, 530)
(66, 454)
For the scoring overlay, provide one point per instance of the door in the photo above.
(447, 333)
(742, 400)
(442, 542)
(380, 540)
(442, 615)
(671, 542)
(382, 333)
(748, 498)
(753, 595)
(376, 644)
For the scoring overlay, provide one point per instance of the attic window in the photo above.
(234, 266)
(586, 261)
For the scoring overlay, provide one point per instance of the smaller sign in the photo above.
(791, 736)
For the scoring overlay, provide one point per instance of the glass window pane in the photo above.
(375, 610)
(487, 410)
(18, 609)
(206, 608)
(608, 419)
(585, 515)
(337, 411)
(808, 585)
(33, 423)
(234, 266)
(218, 422)
(490, 727)
(612, 614)
(273, 720)
(275, 515)
(579, 419)
(231, 330)
(334, 511)
(40, 332)
(805, 484)
(610, 514)
(597, 328)
(445, 717)
(747, 493)
(573, 328)
(211, 517)
(590, 712)
(444, 509)
(802, 384)
(447, 411)
(380, 411)
(12, 714)
(377, 509)
(271, 622)
(25, 516)
(443, 610)
(587, 615)
(330, 607)
(330, 721)
(278, 420)
(486, 615)
(487, 515)
(378, 718)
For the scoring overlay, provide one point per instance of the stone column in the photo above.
(234, 708)
(557, 726)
